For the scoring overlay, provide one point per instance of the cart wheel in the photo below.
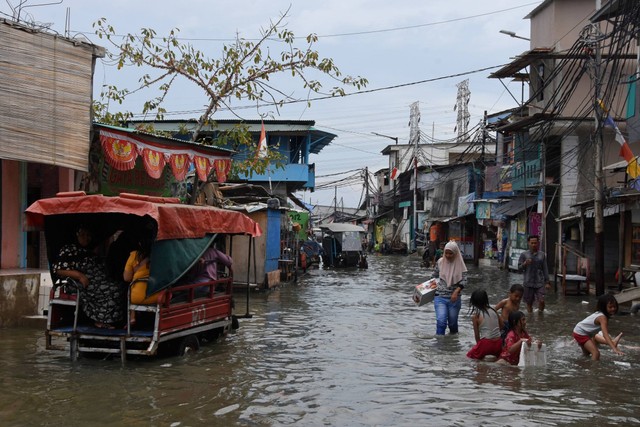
(188, 344)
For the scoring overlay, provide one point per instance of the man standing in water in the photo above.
(533, 263)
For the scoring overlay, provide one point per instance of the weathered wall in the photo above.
(18, 298)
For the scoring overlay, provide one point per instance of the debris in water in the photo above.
(226, 410)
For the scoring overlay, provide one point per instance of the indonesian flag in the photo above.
(394, 173)
(261, 153)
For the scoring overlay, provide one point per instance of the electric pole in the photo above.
(414, 135)
(598, 201)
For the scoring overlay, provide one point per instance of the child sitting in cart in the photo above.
(136, 271)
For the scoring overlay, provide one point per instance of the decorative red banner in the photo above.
(153, 162)
(179, 165)
(203, 167)
(223, 166)
(121, 154)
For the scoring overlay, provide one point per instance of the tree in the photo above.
(242, 73)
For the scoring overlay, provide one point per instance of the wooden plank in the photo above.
(628, 295)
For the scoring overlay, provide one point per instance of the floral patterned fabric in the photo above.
(103, 299)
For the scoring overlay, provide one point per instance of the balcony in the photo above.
(300, 175)
(526, 175)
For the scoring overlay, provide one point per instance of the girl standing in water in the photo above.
(451, 274)
(486, 327)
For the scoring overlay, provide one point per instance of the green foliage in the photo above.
(241, 72)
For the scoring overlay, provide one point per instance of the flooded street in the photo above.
(340, 348)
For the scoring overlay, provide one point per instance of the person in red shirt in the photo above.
(516, 337)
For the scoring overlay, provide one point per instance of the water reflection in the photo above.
(338, 348)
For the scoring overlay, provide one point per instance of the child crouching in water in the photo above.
(516, 337)
(586, 331)
(486, 327)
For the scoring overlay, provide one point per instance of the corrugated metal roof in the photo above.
(164, 138)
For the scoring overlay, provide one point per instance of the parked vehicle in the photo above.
(185, 313)
(342, 245)
(312, 252)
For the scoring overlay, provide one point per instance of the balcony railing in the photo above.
(294, 173)
(526, 175)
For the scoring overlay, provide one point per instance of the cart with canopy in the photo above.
(185, 313)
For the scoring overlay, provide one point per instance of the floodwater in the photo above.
(339, 348)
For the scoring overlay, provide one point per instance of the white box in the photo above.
(423, 293)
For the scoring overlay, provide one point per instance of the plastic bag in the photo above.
(532, 356)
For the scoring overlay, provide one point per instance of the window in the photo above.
(540, 88)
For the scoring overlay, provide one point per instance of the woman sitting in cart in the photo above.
(206, 269)
(102, 299)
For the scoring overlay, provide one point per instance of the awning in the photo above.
(448, 218)
(521, 61)
(341, 227)
(515, 206)
(175, 221)
(524, 123)
(299, 202)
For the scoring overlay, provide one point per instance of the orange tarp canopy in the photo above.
(175, 221)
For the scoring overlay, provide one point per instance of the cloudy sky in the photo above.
(409, 50)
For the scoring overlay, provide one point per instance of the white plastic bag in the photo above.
(532, 356)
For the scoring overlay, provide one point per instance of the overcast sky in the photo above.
(399, 45)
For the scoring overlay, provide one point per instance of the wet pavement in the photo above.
(339, 348)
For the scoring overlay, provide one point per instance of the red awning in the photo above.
(175, 221)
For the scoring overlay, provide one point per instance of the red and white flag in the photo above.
(394, 173)
(633, 169)
(261, 153)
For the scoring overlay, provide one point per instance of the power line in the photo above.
(320, 98)
(356, 33)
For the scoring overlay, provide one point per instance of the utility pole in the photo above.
(479, 243)
(414, 132)
(367, 205)
(366, 186)
(598, 201)
(335, 206)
